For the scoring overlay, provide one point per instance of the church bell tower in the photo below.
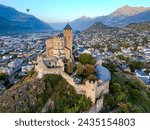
(68, 38)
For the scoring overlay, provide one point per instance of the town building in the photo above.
(143, 76)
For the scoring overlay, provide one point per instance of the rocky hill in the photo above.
(99, 27)
(50, 94)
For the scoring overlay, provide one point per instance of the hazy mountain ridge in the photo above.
(15, 20)
(129, 11)
(78, 24)
(121, 17)
(123, 21)
(20, 21)
(7, 25)
(126, 15)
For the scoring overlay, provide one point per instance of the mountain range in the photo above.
(11, 19)
(121, 17)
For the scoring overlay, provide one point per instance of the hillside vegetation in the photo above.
(127, 94)
(140, 26)
(50, 94)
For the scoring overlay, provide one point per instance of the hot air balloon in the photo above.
(28, 10)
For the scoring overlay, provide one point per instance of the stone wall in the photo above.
(102, 88)
(43, 70)
(97, 106)
(89, 89)
(69, 79)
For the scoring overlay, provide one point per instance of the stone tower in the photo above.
(68, 38)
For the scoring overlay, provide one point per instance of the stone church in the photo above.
(58, 52)
(60, 46)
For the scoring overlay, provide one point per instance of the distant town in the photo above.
(18, 54)
(118, 46)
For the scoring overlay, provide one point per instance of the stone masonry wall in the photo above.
(88, 89)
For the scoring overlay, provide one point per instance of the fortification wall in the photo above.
(69, 79)
(88, 89)
(40, 67)
(97, 106)
(102, 89)
(43, 70)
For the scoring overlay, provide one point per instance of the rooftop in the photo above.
(145, 80)
(67, 27)
(142, 73)
(103, 73)
(60, 35)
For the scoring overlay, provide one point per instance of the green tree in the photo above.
(148, 94)
(135, 93)
(120, 97)
(135, 65)
(109, 99)
(52, 81)
(125, 44)
(3, 76)
(97, 46)
(121, 57)
(86, 59)
(112, 49)
(145, 41)
(80, 68)
(115, 88)
(91, 77)
(4, 79)
(89, 69)
(101, 50)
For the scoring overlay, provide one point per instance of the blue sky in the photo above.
(68, 10)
